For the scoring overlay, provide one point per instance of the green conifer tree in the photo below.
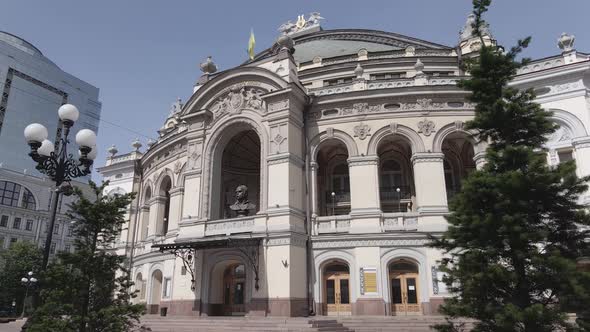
(88, 290)
(513, 235)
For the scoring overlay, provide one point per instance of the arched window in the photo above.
(13, 194)
(165, 192)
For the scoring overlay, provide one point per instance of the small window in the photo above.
(29, 225)
(56, 229)
(70, 230)
(67, 248)
(52, 248)
(16, 223)
(564, 156)
(13, 240)
(4, 221)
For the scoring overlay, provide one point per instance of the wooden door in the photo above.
(404, 294)
(337, 293)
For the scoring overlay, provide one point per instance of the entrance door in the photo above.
(234, 280)
(403, 279)
(337, 290)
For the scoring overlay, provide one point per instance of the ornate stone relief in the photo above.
(362, 131)
(278, 136)
(425, 105)
(177, 167)
(194, 155)
(238, 97)
(560, 135)
(426, 127)
(279, 105)
(369, 243)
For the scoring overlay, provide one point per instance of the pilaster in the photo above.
(365, 208)
(582, 155)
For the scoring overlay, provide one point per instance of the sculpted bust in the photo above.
(242, 206)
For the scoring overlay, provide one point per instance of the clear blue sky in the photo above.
(143, 54)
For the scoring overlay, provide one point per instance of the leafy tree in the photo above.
(513, 235)
(85, 291)
(15, 263)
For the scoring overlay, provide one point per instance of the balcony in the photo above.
(394, 201)
(332, 224)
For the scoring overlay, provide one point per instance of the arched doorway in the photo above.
(229, 292)
(156, 291)
(404, 288)
(336, 289)
(234, 283)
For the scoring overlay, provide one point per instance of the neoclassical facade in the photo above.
(350, 144)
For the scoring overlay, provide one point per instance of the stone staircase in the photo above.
(298, 324)
(395, 323)
(243, 324)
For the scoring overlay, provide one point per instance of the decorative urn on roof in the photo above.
(208, 66)
(136, 144)
(566, 42)
(113, 150)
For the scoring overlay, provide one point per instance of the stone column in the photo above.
(313, 170)
(582, 155)
(174, 215)
(144, 222)
(429, 181)
(480, 160)
(156, 215)
(365, 207)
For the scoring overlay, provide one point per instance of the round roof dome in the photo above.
(341, 42)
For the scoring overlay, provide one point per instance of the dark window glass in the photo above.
(4, 221)
(16, 223)
(226, 293)
(52, 248)
(239, 293)
(396, 291)
(9, 193)
(344, 297)
(330, 292)
(412, 293)
(28, 201)
(29, 226)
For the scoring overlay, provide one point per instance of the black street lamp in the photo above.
(28, 281)
(60, 166)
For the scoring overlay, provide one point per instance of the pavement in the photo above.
(12, 326)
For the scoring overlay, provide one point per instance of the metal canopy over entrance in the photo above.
(186, 250)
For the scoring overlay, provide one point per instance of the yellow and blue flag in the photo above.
(251, 44)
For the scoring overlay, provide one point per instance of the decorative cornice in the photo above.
(284, 158)
(427, 157)
(347, 243)
(405, 105)
(363, 160)
(581, 142)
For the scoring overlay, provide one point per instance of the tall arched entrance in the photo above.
(404, 288)
(156, 292)
(234, 283)
(336, 289)
(229, 292)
